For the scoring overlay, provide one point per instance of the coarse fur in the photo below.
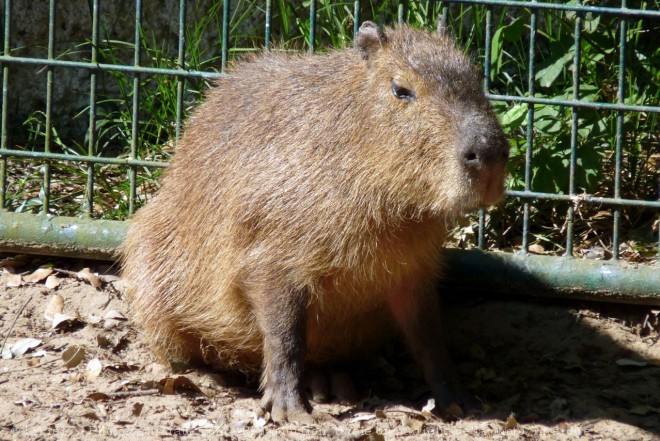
(303, 179)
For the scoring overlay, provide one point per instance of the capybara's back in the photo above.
(303, 215)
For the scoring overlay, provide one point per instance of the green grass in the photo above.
(508, 75)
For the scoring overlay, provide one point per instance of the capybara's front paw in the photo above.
(287, 407)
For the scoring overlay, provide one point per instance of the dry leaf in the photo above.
(53, 282)
(88, 276)
(168, 387)
(55, 306)
(38, 275)
(103, 341)
(428, 408)
(11, 280)
(201, 423)
(536, 249)
(98, 396)
(14, 262)
(73, 356)
(114, 315)
(137, 409)
(362, 417)
(20, 347)
(511, 423)
(63, 321)
(94, 368)
(122, 367)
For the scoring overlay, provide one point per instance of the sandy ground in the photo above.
(543, 370)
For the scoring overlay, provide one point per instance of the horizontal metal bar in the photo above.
(6, 153)
(578, 199)
(4, 59)
(551, 276)
(214, 75)
(624, 12)
(573, 103)
(512, 193)
(473, 270)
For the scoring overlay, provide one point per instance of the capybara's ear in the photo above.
(370, 38)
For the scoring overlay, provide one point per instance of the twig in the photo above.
(11, 328)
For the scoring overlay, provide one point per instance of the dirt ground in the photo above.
(543, 370)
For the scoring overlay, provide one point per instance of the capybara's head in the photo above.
(444, 147)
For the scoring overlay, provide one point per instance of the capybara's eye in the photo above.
(402, 93)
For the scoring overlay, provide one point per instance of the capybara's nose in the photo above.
(479, 150)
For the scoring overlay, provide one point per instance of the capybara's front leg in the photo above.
(281, 316)
(418, 315)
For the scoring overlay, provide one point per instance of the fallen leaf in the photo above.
(122, 367)
(73, 356)
(511, 423)
(168, 386)
(102, 410)
(20, 347)
(428, 408)
(98, 396)
(536, 249)
(114, 315)
(94, 368)
(137, 409)
(6, 353)
(53, 282)
(87, 275)
(11, 280)
(201, 423)
(112, 323)
(103, 341)
(109, 278)
(63, 321)
(38, 275)
(380, 414)
(259, 422)
(55, 306)
(362, 417)
(14, 262)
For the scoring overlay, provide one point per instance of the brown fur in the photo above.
(305, 178)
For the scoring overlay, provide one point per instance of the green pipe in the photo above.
(61, 236)
(551, 276)
(472, 270)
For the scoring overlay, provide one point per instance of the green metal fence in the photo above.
(50, 233)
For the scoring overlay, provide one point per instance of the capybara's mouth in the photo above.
(491, 186)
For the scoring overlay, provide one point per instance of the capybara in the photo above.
(303, 215)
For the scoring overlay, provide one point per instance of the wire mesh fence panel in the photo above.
(94, 101)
